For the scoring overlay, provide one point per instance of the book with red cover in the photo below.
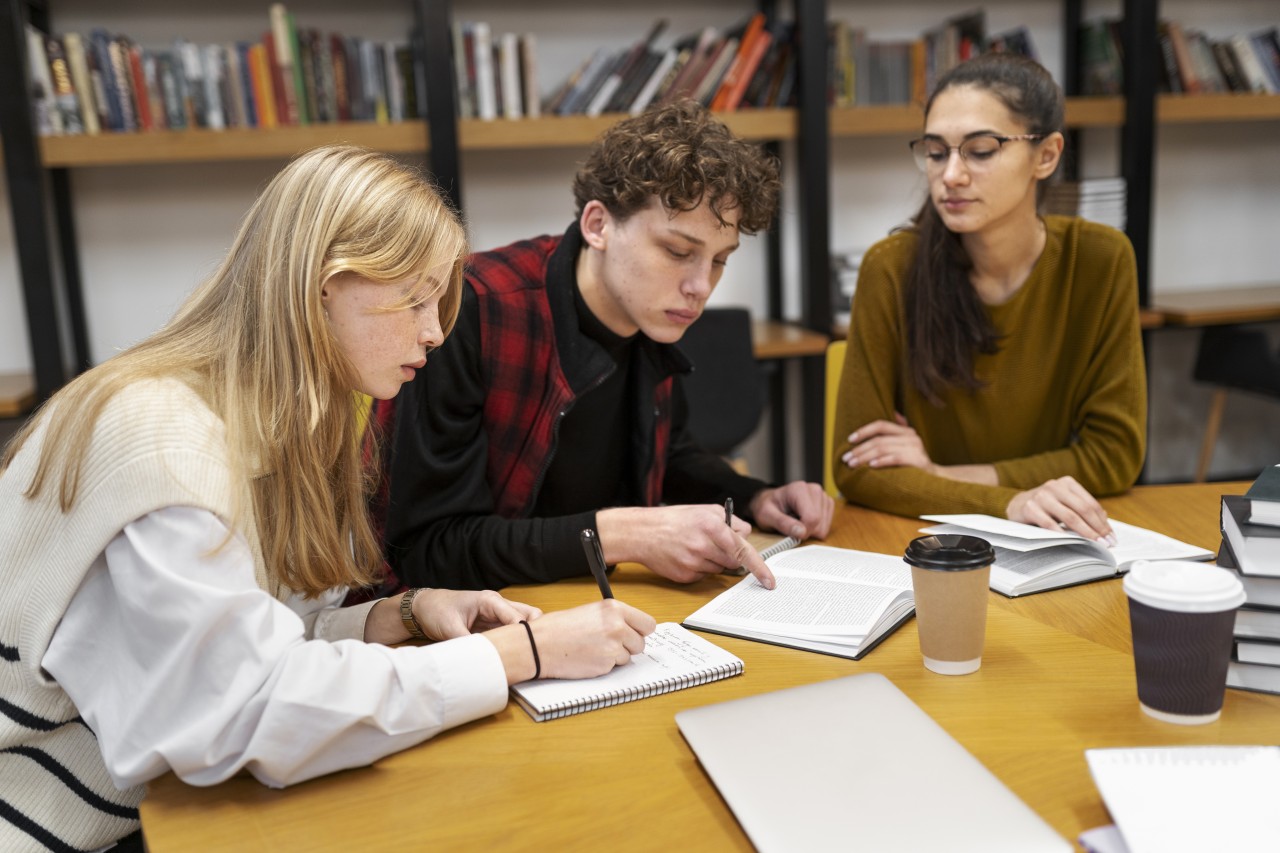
(285, 99)
(755, 41)
(140, 95)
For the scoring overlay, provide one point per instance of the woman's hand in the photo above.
(1062, 503)
(887, 444)
(447, 613)
(583, 642)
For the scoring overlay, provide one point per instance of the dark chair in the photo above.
(1232, 357)
(726, 389)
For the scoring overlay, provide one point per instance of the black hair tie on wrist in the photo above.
(537, 662)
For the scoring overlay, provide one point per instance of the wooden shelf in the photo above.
(188, 146)
(580, 131)
(17, 394)
(1238, 106)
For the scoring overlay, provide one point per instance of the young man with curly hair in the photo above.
(556, 404)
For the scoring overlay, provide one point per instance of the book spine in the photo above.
(279, 51)
(529, 75)
(167, 78)
(305, 116)
(141, 97)
(66, 101)
(213, 77)
(509, 65)
(118, 52)
(47, 120)
(263, 90)
(395, 85)
(78, 63)
(486, 85)
(341, 78)
(754, 30)
(306, 74)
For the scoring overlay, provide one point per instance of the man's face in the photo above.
(653, 272)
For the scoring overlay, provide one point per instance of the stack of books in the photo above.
(1096, 199)
(1251, 548)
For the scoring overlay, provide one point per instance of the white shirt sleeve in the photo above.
(177, 659)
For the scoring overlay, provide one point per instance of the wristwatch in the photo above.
(406, 614)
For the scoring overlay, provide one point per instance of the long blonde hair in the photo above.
(254, 342)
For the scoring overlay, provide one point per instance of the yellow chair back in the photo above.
(835, 366)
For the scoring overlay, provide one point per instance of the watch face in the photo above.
(406, 615)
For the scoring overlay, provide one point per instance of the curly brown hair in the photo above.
(682, 155)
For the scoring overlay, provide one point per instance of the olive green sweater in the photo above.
(1065, 394)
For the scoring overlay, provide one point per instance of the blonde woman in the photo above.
(181, 522)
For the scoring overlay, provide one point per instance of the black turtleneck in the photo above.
(590, 469)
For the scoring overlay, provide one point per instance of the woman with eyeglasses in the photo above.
(995, 361)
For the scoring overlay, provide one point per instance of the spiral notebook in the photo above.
(673, 659)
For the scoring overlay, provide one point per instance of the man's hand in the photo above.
(1062, 503)
(799, 509)
(680, 543)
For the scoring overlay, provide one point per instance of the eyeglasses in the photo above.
(979, 153)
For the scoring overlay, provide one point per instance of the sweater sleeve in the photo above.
(870, 389)
(208, 674)
(1109, 401)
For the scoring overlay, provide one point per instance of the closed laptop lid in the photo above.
(853, 764)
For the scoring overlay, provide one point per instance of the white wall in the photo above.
(149, 233)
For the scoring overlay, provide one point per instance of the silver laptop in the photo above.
(852, 764)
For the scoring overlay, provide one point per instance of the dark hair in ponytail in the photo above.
(946, 322)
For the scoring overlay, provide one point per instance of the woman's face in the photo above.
(995, 180)
(386, 345)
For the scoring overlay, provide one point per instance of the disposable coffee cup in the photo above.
(949, 574)
(1183, 615)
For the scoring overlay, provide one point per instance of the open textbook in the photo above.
(831, 600)
(1032, 559)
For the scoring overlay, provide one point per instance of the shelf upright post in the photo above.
(813, 163)
(1072, 18)
(1137, 139)
(435, 23)
(27, 203)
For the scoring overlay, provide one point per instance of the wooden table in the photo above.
(1219, 306)
(772, 339)
(1055, 680)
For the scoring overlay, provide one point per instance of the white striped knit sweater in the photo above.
(156, 445)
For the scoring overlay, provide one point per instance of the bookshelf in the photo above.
(39, 170)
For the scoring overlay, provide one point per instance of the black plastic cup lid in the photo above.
(949, 552)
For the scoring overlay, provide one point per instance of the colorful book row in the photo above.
(1190, 62)
(292, 76)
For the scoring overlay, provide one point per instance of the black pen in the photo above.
(595, 559)
(728, 520)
